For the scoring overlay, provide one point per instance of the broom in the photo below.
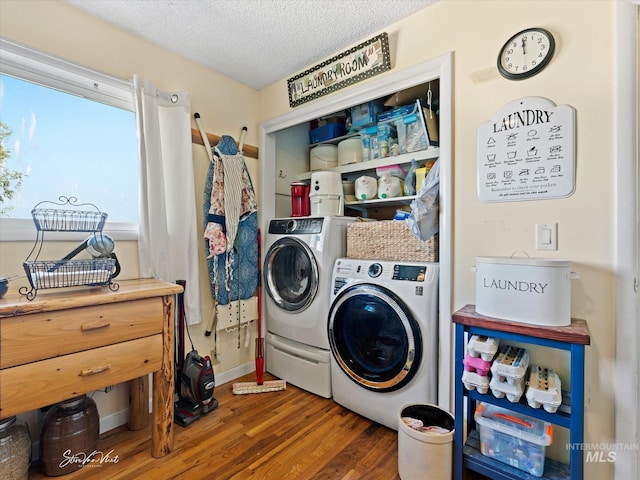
(259, 386)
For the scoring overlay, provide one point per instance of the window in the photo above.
(72, 133)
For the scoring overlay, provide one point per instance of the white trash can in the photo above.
(426, 454)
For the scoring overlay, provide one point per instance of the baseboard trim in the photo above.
(119, 418)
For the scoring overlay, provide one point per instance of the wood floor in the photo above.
(289, 434)
(276, 435)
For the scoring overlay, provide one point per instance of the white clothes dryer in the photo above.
(383, 331)
(297, 270)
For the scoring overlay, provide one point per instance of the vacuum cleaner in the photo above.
(195, 380)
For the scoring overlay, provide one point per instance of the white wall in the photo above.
(580, 75)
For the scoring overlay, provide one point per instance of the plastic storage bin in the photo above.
(425, 442)
(512, 438)
(366, 113)
(326, 132)
(412, 134)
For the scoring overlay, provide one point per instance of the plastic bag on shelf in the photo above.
(410, 179)
(424, 218)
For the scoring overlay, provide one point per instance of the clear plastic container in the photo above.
(370, 147)
(412, 135)
(385, 133)
(15, 449)
(512, 438)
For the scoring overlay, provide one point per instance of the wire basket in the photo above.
(67, 215)
(68, 219)
(69, 273)
(53, 220)
(389, 240)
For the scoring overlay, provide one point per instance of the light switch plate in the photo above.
(546, 236)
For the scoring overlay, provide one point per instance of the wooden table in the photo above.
(68, 342)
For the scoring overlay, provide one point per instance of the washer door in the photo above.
(291, 274)
(374, 337)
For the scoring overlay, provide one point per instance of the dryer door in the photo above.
(374, 337)
(291, 274)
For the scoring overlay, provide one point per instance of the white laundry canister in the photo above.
(425, 454)
(528, 290)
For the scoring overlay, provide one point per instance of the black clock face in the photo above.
(526, 53)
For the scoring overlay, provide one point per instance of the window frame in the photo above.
(28, 64)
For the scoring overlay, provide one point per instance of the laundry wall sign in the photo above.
(527, 152)
(354, 65)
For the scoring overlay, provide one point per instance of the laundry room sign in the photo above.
(351, 66)
(527, 152)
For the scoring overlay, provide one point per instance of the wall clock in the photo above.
(526, 54)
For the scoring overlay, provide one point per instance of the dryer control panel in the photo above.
(296, 226)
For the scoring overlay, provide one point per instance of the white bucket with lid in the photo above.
(350, 150)
(528, 290)
(323, 156)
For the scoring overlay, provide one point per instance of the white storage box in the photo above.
(528, 290)
(512, 438)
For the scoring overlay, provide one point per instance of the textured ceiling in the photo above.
(256, 42)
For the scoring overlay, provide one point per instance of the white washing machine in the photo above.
(297, 270)
(383, 335)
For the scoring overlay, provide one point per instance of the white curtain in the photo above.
(168, 237)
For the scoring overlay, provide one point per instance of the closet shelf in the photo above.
(429, 153)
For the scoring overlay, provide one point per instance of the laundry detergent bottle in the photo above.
(389, 186)
(366, 187)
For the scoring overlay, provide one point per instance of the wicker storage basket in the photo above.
(389, 240)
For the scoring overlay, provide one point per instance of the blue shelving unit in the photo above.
(572, 338)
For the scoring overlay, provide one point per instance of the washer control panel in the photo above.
(375, 270)
(412, 273)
